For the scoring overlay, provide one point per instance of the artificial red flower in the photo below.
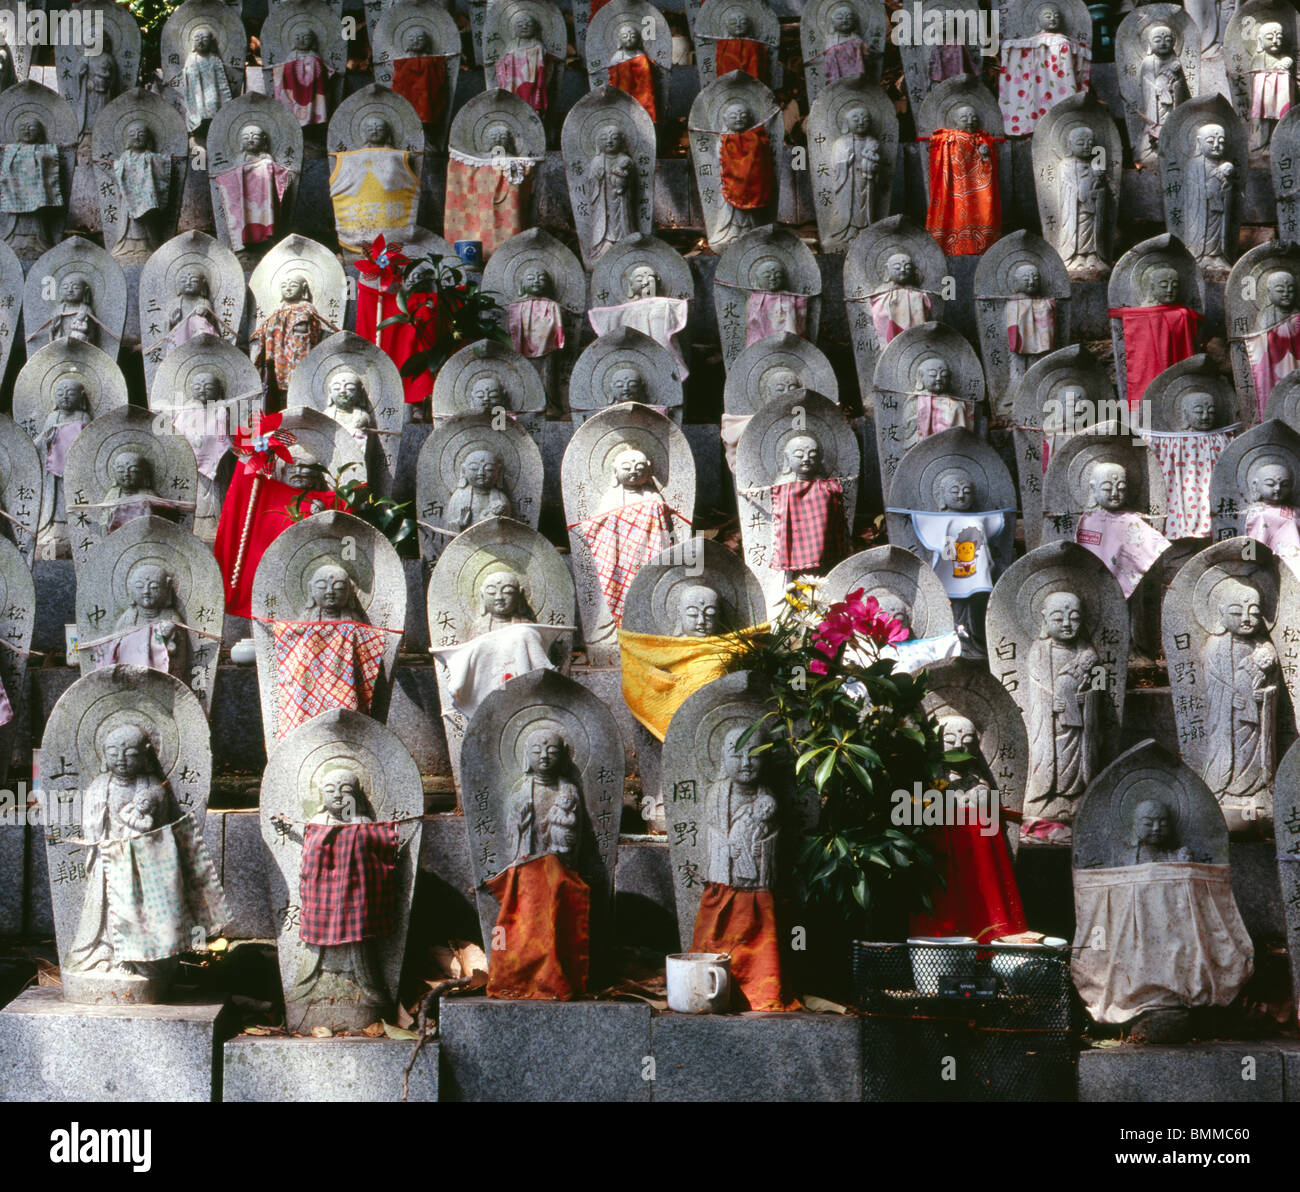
(263, 444)
(384, 262)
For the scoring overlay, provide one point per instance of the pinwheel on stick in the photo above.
(260, 449)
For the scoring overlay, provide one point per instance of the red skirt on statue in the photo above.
(980, 897)
(743, 924)
(544, 929)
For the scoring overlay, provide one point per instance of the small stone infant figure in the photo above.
(480, 493)
(543, 812)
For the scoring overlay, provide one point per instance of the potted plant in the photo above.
(356, 497)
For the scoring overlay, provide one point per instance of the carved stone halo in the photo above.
(282, 23)
(502, 273)
(453, 389)
(283, 132)
(1197, 374)
(347, 125)
(610, 275)
(28, 98)
(34, 391)
(653, 597)
(622, 349)
(1069, 472)
(495, 106)
(75, 257)
(1206, 602)
(299, 255)
(742, 393)
(892, 572)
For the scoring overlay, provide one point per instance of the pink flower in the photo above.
(817, 666)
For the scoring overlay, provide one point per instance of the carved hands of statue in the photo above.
(984, 152)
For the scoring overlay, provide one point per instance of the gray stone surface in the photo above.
(1244, 53)
(1201, 1072)
(762, 372)
(757, 1057)
(102, 297)
(816, 32)
(1252, 305)
(30, 237)
(267, 1068)
(1143, 73)
(243, 862)
(13, 849)
(52, 1050)
(548, 34)
(745, 268)
(229, 46)
(544, 1051)
(625, 366)
(405, 30)
(599, 41)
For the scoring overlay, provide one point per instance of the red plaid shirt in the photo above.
(322, 665)
(622, 541)
(809, 533)
(347, 887)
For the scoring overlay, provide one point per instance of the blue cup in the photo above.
(470, 252)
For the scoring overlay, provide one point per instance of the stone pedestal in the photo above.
(52, 1050)
(1263, 1071)
(271, 1068)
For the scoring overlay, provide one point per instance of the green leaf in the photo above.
(824, 771)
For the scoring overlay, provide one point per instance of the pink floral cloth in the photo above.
(662, 319)
(523, 72)
(1275, 527)
(1270, 94)
(768, 313)
(896, 309)
(845, 59)
(536, 326)
(1125, 542)
(1031, 325)
(250, 197)
(1187, 459)
(1037, 73)
(56, 455)
(1273, 354)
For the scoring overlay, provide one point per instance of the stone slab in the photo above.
(757, 1057)
(267, 1068)
(544, 1051)
(13, 848)
(51, 1050)
(1194, 1072)
(242, 874)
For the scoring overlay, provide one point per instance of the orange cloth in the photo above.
(741, 53)
(965, 214)
(748, 176)
(545, 917)
(743, 924)
(636, 76)
(423, 82)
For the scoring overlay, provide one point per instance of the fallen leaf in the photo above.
(821, 1005)
(374, 1030)
(48, 974)
(396, 1032)
(321, 1032)
(220, 945)
(470, 960)
(405, 1018)
(256, 1030)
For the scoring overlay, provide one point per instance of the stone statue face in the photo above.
(499, 138)
(893, 605)
(193, 284)
(1160, 40)
(857, 120)
(31, 131)
(1241, 609)
(480, 470)
(132, 472)
(304, 39)
(1080, 140)
(340, 793)
(738, 24)
(253, 139)
(1029, 280)
(70, 394)
(957, 490)
(486, 394)
(901, 269)
(610, 139)
(1151, 823)
(1162, 286)
(698, 611)
(523, 27)
(843, 19)
(1271, 37)
(642, 282)
(305, 474)
(1270, 483)
(1062, 616)
(1211, 140)
(1198, 411)
(74, 288)
(535, 282)
(959, 733)
(138, 136)
(934, 374)
(802, 457)
(1108, 486)
(546, 753)
(632, 468)
(629, 36)
(126, 752)
(347, 390)
(736, 117)
(417, 42)
(769, 274)
(376, 131)
(625, 384)
(204, 40)
(331, 590)
(206, 386)
(1280, 287)
(1050, 19)
(966, 118)
(151, 589)
(500, 594)
(779, 383)
(294, 288)
(740, 760)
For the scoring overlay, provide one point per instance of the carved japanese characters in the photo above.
(524, 44)
(1253, 489)
(75, 291)
(1259, 49)
(38, 139)
(841, 39)
(203, 51)
(737, 35)
(341, 811)
(303, 58)
(17, 622)
(621, 52)
(416, 50)
(1046, 53)
(1158, 59)
(22, 478)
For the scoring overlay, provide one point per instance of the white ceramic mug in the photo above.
(699, 982)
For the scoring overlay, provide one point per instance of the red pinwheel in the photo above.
(264, 444)
(384, 262)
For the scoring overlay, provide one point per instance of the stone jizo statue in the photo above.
(742, 817)
(480, 492)
(545, 808)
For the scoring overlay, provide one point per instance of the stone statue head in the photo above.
(1211, 140)
(151, 587)
(204, 40)
(331, 593)
(735, 117)
(1160, 286)
(347, 391)
(801, 458)
(75, 288)
(779, 383)
(901, 269)
(1062, 615)
(955, 488)
(1271, 36)
(1269, 481)
(842, 19)
(1279, 286)
(128, 753)
(1067, 411)
(934, 375)
(1081, 141)
(70, 394)
(30, 130)
(959, 733)
(632, 468)
(1160, 40)
(486, 394)
(138, 137)
(304, 471)
(132, 471)
(1153, 824)
(1107, 485)
(417, 42)
(304, 39)
(206, 386)
(376, 132)
(966, 118)
(609, 137)
(856, 119)
(629, 36)
(699, 608)
(1028, 280)
(1197, 410)
(523, 27)
(624, 383)
(1050, 18)
(741, 759)
(501, 595)
(295, 288)
(500, 138)
(535, 282)
(1240, 608)
(768, 273)
(342, 794)
(738, 24)
(253, 138)
(546, 754)
(481, 470)
(193, 283)
(642, 282)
